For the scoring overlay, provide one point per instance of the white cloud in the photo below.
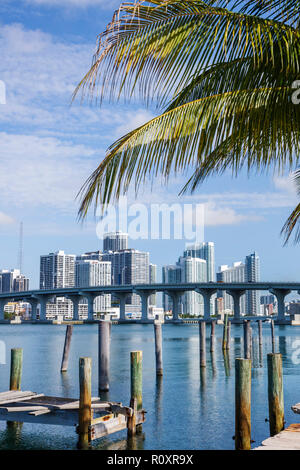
(36, 66)
(216, 215)
(36, 171)
(5, 219)
(285, 183)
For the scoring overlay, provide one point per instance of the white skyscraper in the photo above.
(57, 270)
(252, 266)
(235, 273)
(187, 269)
(89, 273)
(115, 241)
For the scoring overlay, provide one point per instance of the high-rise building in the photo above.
(57, 270)
(152, 280)
(129, 267)
(89, 273)
(115, 241)
(206, 251)
(235, 273)
(171, 274)
(252, 270)
(13, 281)
(193, 270)
(21, 284)
(187, 269)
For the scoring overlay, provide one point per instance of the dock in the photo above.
(29, 407)
(288, 439)
(91, 417)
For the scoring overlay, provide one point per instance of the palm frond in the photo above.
(262, 120)
(286, 11)
(293, 222)
(153, 48)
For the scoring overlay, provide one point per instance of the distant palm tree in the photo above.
(222, 71)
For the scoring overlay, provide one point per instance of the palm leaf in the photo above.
(262, 120)
(293, 222)
(158, 47)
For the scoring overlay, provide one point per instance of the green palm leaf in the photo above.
(293, 222)
(224, 71)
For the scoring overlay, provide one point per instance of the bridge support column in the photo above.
(145, 301)
(122, 300)
(43, 300)
(90, 299)
(2, 305)
(75, 300)
(280, 295)
(206, 294)
(175, 296)
(34, 304)
(236, 295)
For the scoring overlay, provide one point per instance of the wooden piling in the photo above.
(247, 352)
(202, 338)
(85, 402)
(136, 382)
(224, 343)
(65, 358)
(273, 336)
(158, 348)
(212, 335)
(242, 404)
(16, 364)
(275, 393)
(260, 332)
(104, 331)
(251, 342)
(228, 335)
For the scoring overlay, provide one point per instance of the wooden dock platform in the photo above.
(30, 407)
(289, 439)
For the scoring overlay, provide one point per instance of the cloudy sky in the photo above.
(48, 148)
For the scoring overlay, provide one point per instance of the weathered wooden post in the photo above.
(251, 342)
(275, 393)
(16, 364)
(224, 344)
(65, 358)
(85, 402)
(104, 330)
(228, 335)
(242, 404)
(247, 353)
(212, 336)
(202, 338)
(273, 336)
(136, 400)
(259, 332)
(158, 347)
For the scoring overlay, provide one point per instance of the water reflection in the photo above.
(226, 359)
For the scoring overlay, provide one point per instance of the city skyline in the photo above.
(63, 144)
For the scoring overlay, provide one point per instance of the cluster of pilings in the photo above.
(104, 341)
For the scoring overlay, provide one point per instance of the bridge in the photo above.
(175, 291)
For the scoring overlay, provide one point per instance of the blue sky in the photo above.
(48, 148)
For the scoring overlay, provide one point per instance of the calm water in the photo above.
(187, 410)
